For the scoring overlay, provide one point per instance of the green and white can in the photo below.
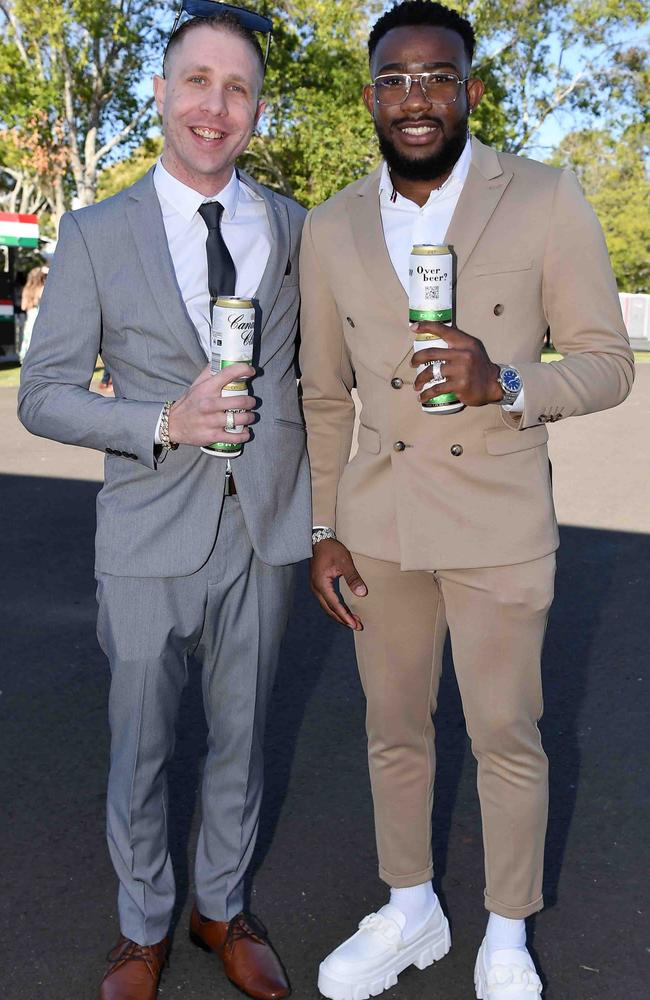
(431, 283)
(232, 338)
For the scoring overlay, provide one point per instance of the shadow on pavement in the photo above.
(315, 866)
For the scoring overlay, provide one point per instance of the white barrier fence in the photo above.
(636, 313)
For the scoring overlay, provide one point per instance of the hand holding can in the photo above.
(431, 274)
(232, 340)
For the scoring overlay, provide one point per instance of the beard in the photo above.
(431, 167)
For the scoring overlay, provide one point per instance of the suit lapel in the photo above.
(482, 192)
(371, 247)
(148, 231)
(274, 272)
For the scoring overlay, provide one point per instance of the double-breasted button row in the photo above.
(456, 449)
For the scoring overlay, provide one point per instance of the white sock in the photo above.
(417, 903)
(502, 932)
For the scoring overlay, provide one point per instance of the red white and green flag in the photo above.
(6, 310)
(18, 230)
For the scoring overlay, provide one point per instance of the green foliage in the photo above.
(70, 73)
(547, 56)
(537, 58)
(615, 176)
(125, 172)
(316, 135)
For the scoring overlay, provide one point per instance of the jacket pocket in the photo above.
(500, 266)
(502, 441)
(296, 425)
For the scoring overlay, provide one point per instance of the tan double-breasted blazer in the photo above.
(473, 488)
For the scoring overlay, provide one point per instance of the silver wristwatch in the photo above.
(511, 384)
(320, 534)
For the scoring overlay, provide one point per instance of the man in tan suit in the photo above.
(446, 522)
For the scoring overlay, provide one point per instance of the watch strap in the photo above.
(509, 396)
(321, 534)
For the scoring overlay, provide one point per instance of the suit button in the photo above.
(350, 321)
(456, 450)
(399, 446)
(542, 419)
(396, 383)
(498, 309)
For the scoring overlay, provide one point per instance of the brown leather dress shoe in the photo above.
(134, 970)
(248, 958)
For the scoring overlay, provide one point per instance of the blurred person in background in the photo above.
(30, 301)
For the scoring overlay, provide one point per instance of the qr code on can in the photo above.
(431, 293)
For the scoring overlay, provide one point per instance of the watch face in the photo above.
(511, 380)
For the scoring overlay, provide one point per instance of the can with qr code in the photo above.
(231, 339)
(431, 283)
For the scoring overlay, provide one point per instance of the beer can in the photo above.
(431, 283)
(231, 339)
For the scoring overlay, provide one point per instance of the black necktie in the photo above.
(221, 269)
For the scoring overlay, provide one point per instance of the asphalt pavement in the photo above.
(315, 868)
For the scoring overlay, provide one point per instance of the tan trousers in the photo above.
(496, 618)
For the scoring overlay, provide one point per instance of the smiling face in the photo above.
(419, 140)
(209, 103)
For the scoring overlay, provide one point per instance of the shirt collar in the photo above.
(186, 201)
(456, 179)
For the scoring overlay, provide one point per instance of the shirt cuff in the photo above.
(156, 436)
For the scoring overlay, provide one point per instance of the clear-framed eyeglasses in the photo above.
(438, 88)
(259, 24)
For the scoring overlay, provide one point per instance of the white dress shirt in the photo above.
(244, 227)
(246, 232)
(406, 224)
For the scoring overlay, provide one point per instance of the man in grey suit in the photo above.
(194, 554)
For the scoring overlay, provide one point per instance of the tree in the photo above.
(615, 174)
(316, 135)
(125, 172)
(538, 58)
(69, 77)
(582, 58)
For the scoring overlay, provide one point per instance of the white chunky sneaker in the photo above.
(370, 961)
(510, 975)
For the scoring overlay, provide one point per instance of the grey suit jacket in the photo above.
(112, 290)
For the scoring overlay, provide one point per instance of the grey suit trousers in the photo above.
(230, 616)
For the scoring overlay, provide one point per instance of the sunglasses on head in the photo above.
(249, 19)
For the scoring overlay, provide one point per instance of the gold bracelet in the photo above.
(164, 427)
